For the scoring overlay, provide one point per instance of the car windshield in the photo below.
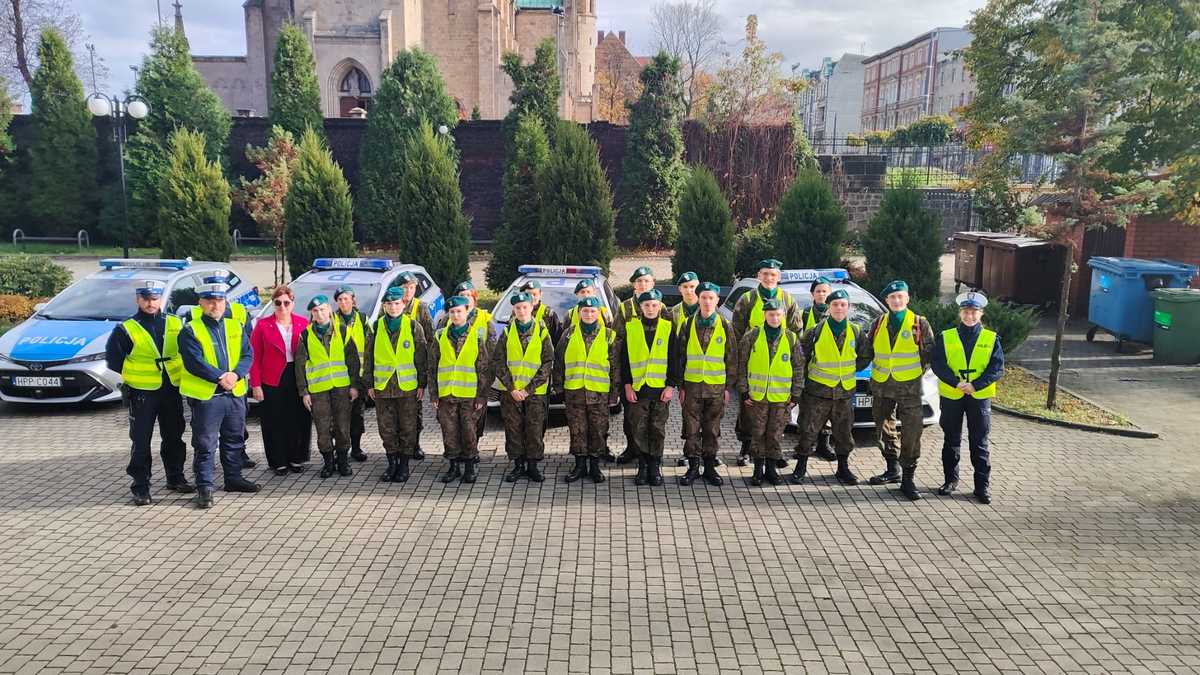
(95, 299)
(864, 308)
(559, 298)
(365, 294)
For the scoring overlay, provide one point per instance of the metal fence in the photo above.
(939, 164)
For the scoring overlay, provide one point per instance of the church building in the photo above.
(354, 40)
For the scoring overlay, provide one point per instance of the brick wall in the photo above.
(1157, 238)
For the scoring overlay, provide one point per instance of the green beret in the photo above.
(343, 289)
(584, 283)
(652, 294)
(530, 285)
(770, 264)
(708, 286)
(641, 272)
(464, 286)
(686, 277)
(393, 294)
(897, 285)
(839, 294)
(457, 301)
(589, 302)
(818, 281)
(771, 304)
(520, 297)
(317, 301)
(405, 278)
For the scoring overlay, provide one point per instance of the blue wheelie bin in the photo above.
(1120, 302)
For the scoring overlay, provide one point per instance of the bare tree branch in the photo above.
(689, 30)
(21, 25)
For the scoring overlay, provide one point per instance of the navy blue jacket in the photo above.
(995, 366)
(193, 353)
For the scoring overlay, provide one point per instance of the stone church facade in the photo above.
(354, 40)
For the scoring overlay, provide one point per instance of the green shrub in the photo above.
(810, 224)
(904, 241)
(516, 240)
(753, 244)
(576, 225)
(706, 240)
(194, 201)
(1013, 323)
(35, 276)
(487, 298)
(317, 208)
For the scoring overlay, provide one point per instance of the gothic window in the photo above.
(355, 83)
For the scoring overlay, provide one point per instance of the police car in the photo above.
(369, 277)
(57, 355)
(558, 294)
(864, 309)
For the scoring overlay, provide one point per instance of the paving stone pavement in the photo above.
(1087, 561)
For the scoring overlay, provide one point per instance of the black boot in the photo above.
(204, 498)
(517, 472)
(744, 458)
(983, 493)
(327, 467)
(907, 487)
(756, 479)
(531, 470)
(356, 450)
(844, 474)
(780, 463)
(682, 461)
(452, 473)
(710, 472)
(400, 475)
(390, 472)
(141, 498)
(580, 470)
(627, 456)
(890, 475)
(800, 471)
(594, 471)
(418, 454)
(343, 463)
(181, 486)
(692, 473)
(772, 476)
(823, 451)
(469, 471)
(654, 471)
(240, 484)
(248, 463)
(948, 487)
(640, 478)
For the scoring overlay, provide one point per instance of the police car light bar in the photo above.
(834, 273)
(155, 263)
(378, 264)
(559, 269)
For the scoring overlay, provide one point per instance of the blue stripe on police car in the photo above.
(45, 340)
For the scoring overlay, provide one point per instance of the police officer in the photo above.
(418, 312)
(524, 366)
(394, 377)
(643, 281)
(831, 359)
(899, 344)
(328, 379)
(216, 360)
(354, 327)
(587, 370)
(586, 288)
(680, 313)
(650, 371)
(967, 360)
(541, 312)
(810, 316)
(771, 381)
(460, 365)
(236, 311)
(709, 357)
(144, 349)
(748, 313)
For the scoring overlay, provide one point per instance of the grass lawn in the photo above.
(105, 251)
(1024, 392)
(925, 177)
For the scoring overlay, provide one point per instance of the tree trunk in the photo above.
(1063, 300)
(19, 45)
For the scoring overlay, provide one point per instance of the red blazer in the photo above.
(269, 356)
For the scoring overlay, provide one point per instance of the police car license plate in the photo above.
(37, 382)
(862, 400)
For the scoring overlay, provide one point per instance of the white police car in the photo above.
(558, 294)
(369, 277)
(57, 355)
(864, 309)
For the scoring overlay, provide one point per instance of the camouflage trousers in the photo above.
(765, 423)
(903, 444)
(458, 419)
(524, 426)
(358, 424)
(331, 417)
(399, 425)
(815, 411)
(647, 420)
(587, 419)
(702, 425)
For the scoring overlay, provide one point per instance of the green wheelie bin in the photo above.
(1177, 325)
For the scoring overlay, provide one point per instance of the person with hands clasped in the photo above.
(394, 377)
(771, 381)
(327, 377)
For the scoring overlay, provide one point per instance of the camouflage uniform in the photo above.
(358, 425)
(648, 417)
(524, 422)
(458, 416)
(330, 409)
(421, 316)
(587, 411)
(398, 412)
(892, 399)
(628, 309)
(551, 322)
(766, 421)
(821, 404)
(704, 404)
(741, 325)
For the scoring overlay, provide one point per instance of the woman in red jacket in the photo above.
(286, 423)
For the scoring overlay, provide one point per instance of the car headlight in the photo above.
(88, 359)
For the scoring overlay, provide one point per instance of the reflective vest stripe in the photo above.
(831, 367)
(524, 363)
(902, 361)
(588, 367)
(196, 387)
(706, 365)
(389, 361)
(770, 378)
(326, 369)
(956, 359)
(647, 366)
(457, 376)
(143, 366)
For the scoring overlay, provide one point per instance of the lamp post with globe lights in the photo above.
(120, 110)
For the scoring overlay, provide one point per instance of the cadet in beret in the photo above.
(541, 312)
(650, 371)
(354, 327)
(478, 318)
(460, 365)
(418, 312)
(680, 313)
(820, 289)
(771, 380)
(709, 362)
(395, 376)
(643, 281)
(586, 288)
(524, 366)
(587, 369)
(328, 379)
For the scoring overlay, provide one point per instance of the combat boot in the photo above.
(343, 463)
(327, 468)
(181, 486)
(654, 471)
(844, 474)
(982, 493)
(531, 470)
(418, 454)
(823, 451)
(390, 472)
(907, 487)
(627, 456)
(772, 475)
(204, 498)
(452, 473)
(756, 479)
(517, 472)
(356, 450)
(400, 475)
(580, 470)
(710, 472)
(948, 487)
(890, 475)
(744, 457)
(640, 478)
(692, 473)
(594, 471)
(469, 471)
(141, 498)
(800, 471)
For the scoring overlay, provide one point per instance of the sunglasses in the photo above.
(283, 303)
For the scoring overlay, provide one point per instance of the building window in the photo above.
(354, 91)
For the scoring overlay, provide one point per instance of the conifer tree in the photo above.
(706, 235)
(517, 237)
(319, 215)
(576, 224)
(193, 210)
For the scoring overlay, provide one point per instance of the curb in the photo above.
(1114, 431)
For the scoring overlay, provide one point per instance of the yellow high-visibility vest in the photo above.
(142, 368)
(771, 377)
(194, 386)
(679, 316)
(390, 361)
(588, 368)
(236, 310)
(810, 317)
(902, 361)
(457, 377)
(956, 358)
(757, 318)
(830, 366)
(647, 366)
(523, 363)
(323, 369)
(706, 365)
(413, 309)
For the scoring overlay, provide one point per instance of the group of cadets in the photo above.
(772, 357)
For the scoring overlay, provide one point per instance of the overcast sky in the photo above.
(804, 30)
